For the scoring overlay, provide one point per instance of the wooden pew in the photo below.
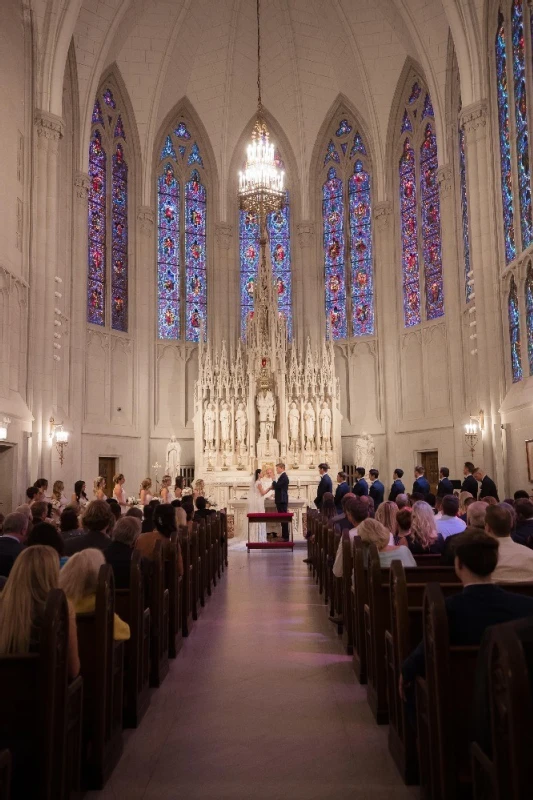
(224, 542)
(505, 772)
(173, 585)
(186, 587)
(131, 607)
(33, 703)
(202, 560)
(159, 619)
(5, 774)
(359, 591)
(196, 569)
(102, 670)
(336, 599)
(403, 635)
(346, 592)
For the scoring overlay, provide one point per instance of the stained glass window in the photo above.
(522, 137)
(464, 214)
(331, 153)
(107, 292)
(344, 128)
(505, 144)
(415, 92)
(249, 259)
(514, 333)
(408, 214)
(181, 259)
(406, 123)
(333, 221)
(529, 317)
(361, 251)
(431, 229)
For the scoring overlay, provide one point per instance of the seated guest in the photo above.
(341, 519)
(402, 501)
(469, 484)
(438, 507)
(479, 605)
(69, 524)
(376, 490)
(118, 554)
(187, 505)
(135, 512)
(46, 534)
(79, 581)
(325, 484)
(488, 487)
(521, 494)
(201, 509)
(373, 532)
(431, 500)
(12, 541)
(523, 531)
(181, 516)
(164, 527)
(515, 562)
(403, 526)
(423, 536)
(386, 514)
(342, 489)
(360, 488)
(39, 511)
(327, 508)
(475, 514)
(25, 510)
(464, 503)
(397, 485)
(491, 501)
(450, 524)
(445, 485)
(23, 601)
(98, 521)
(148, 516)
(356, 510)
(115, 508)
(421, 483)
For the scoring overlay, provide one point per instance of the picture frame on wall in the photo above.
(529, 456)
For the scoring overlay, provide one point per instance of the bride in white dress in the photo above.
(260, 487)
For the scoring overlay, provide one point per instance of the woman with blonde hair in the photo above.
(145, 494)
(98, 488)
(463, 497)
(164, 492)
(373, 532)
(79, 581)
(386, 514)
(59, 501)
(423, 537)
(119, 492)
(22, 602)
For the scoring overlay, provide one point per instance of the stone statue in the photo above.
(173, 461)
(294, 424)
(266, 406)
(325, 425)
(365, 451)
(241, 423)
(209, 426)
(309, 420)
(225, 424)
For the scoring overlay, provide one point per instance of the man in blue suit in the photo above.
(342, 489)
(377, 490)
(421, 484)
(324, 486)
(281, 496)
(397, 487)
(360, 487)
(445, 485)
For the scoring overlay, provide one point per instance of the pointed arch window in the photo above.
(107, 278)
(347, 233)
(514, 332)
(182, 214)
(420, 219)
(465, 223)
(529, 316)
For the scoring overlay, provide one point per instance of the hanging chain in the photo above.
(259, 103)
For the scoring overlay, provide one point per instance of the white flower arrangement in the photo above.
(187, 492)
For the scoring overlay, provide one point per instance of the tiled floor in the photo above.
(261, 703)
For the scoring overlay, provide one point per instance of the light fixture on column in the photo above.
(60, 435)
(471, 436)
(3, 428)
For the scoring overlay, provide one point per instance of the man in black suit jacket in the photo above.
(480, 604)
(360, 487)
(488, 487)
(377, 490)
(281, 496)
(445, 485)
(12, 541)
(98, 520)
(397, 486)
(342, 489)
(421, 483)
(469, 484)
(523, 531)
(324, 486)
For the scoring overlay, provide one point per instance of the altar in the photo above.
(239, 509)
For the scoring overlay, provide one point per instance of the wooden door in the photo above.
(107, 469)
(430, 462)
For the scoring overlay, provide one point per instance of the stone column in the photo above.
(224, 299)
(385, 301)
(484, 252)
(308, 289)
(143, 324)
(453, 283)
(48, 131)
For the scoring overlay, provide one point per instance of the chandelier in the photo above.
(261, 183)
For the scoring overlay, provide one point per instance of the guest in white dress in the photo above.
(59, 501)
(260, 487)
(98, 489)
(79, 498)
(145, 493)
(119, 492)
(164, 492)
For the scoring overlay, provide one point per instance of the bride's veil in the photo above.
(252, 494)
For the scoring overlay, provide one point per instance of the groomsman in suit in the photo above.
(377, 490)
(488, 487)
(342, 489)
(469, 483)
(281, 496)
(421, 484)
(397, 486)
(324, 486)
(360, 487)
(445, 485)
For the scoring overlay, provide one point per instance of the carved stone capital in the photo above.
(383, 214)
(444, 178)
(81, 186)
(145, 218)
(306, 233)
(473, 118)
(48, 126)
(224, 235)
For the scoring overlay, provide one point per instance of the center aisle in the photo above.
(260, 704)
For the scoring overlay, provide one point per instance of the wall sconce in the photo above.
(471, 436)
(3, 428)
(61, 437)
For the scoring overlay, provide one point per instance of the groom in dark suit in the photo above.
(281, 496)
